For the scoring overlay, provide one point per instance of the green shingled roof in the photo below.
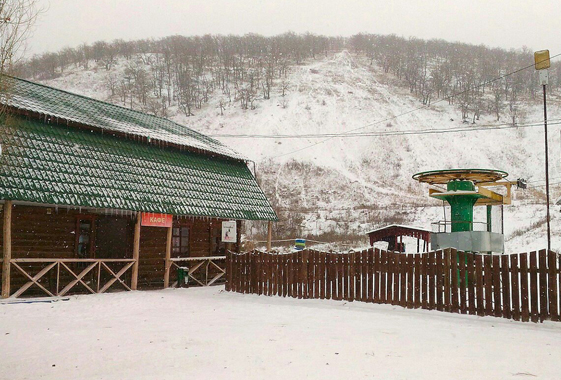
(66, 166)
(66, 108)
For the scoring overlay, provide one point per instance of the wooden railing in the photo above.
(523, 286)
(102, 274)
(196, 265)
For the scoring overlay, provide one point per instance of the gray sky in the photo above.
(498, 23)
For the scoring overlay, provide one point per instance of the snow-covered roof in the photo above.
(399, 226)
(62, 107)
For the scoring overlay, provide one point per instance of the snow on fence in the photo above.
(521, 286)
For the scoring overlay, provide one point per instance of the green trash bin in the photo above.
(183, 277)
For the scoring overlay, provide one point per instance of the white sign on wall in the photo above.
(229, 231)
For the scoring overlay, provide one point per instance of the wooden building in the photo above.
(393, 235)
(97, 197)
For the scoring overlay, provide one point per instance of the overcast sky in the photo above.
(498, 23)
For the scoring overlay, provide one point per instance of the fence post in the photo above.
(304, 278)
(352, 276)
(553, 289)
(544, 307)
(227, 286)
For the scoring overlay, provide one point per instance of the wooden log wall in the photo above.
(50, 233)
(524, 287)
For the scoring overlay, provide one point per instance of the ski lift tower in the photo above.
(465, 189)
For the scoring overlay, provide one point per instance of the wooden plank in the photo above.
(168, 257)
(34, 280)
(345, 275)
(455, 305)
(358, 276)
(260, 273)
(317, 274)
(136, 251)
(558, 262)
(383, 276)
(370, 266)
(364, 275)
(410, 302)
(497, 303)
(305, 257)
(524, 287)
(242, 272)
(447, 279)
(331, 284)
(396, 277)
(439, 280)
(78, 279)
(228, 285)
(462, 281)
(488, 280)
(269, 236)
(424, 281)
(432, 280)
(544, 305)
(505, 285)
(272, 264)
(233, 284)
(376, 279)
(328, 275)
(281, 258)
(389, 278)
(479, 284)
(417, 276)
(251, 271)
(403, 280)
(553, 288)
(515, 293)
(534, 290)
(351, 276)
(310, 277)
(290, 275)
(471, 282)
(266, 274)
(6, 248)
(116, 276)
(340, 278)
(322, 258)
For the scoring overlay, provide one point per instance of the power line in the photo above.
(421, 107)
(394, 133)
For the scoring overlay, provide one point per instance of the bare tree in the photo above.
(16, 19)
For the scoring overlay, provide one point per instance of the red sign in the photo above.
(150, 219)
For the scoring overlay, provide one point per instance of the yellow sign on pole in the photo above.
(541, 59)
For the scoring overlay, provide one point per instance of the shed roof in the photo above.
(60, 165)
(395, 230)
(66, 108)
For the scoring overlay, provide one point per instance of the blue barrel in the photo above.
(300, 244)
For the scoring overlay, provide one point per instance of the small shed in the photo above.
(95, 197)
(393, 235)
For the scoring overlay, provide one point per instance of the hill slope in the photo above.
(349, 185)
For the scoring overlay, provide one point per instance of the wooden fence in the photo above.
(523, 287)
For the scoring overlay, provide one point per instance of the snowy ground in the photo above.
(209, 333)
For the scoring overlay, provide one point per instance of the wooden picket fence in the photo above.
(523, 287)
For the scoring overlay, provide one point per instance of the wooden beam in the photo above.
(7, 249)
(168, 255)
(136, 252)
(269, 235)
(491, 195)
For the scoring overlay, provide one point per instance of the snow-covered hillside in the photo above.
(350, 185)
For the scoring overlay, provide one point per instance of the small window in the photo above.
(180, 241)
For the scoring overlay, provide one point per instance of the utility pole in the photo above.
(542, 63)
